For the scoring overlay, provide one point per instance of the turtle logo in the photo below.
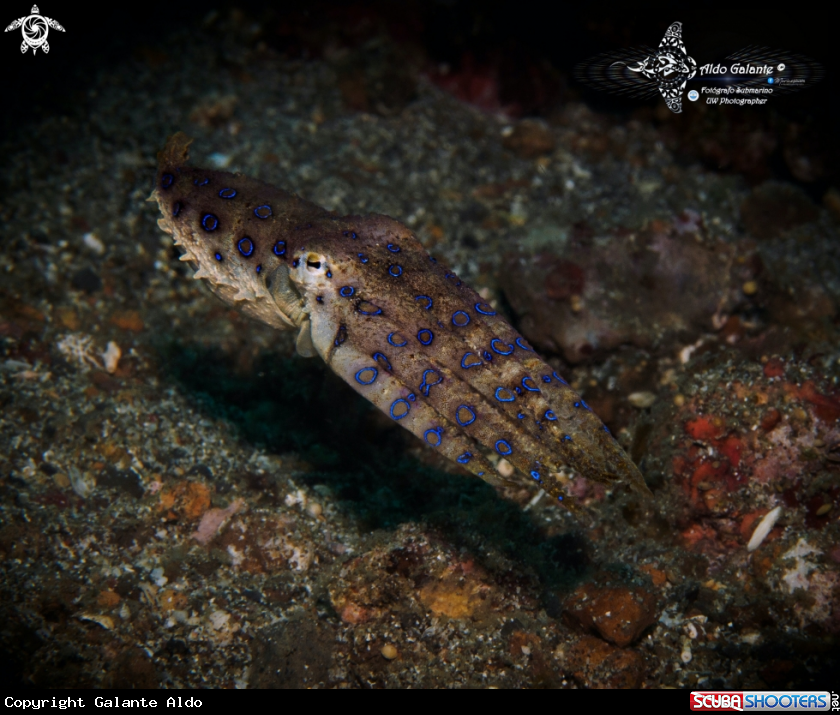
(670, 67)
(35, 29)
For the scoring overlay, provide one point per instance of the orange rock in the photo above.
(171, 600)
(128, 320)
(618, 613)
(108, 599)
(596, 664)
(658, 577)
(187, 499)
(456, 595)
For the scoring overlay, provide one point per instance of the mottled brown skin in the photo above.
(350, 285)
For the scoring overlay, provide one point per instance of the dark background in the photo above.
(531, 47)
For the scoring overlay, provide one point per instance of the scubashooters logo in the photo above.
(35, 28)
(642, 72)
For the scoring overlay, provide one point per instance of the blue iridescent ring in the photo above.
(532, 387)
(428, 305)
(464, 458)
(536, 475)
(219, 256)
(503, 448)
(499, 350)
(467, 365)
(438, 434)
(227, 193)
(397, 405)
(263, 211)
(522, 345)
(460, 319)
(395, 270)
(245, 246)
(393, 248)
(365, 307)
(501, 397)
(397, 345)
(280, 248)
(382, 360)
(166, 181)
(465, 418)
(203, 183)
(366, 375)
(559, 379)
(209, 222)
(550, 416)
(546, 378)
(487, 356)
(346, 291)
(425, 336)
(176, 208)
(480, 309)
(426, 386)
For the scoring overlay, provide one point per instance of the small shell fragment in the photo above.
(105, 621)
(764, 527)
(641, 400)
(111, 357)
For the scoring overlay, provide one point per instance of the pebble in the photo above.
(750, 288)
(389, 652)
(641, 400)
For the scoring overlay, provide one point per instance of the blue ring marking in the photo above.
(394, 406)
(469, 420)
(263, 211)
(295, 262)
(546, 378)
(227, 193)
(259, 268)
(518, 341)
(465, 316)
(176, 208)
(480, 474)
(525, 385)
(585, 406)
(329, 274)
(395, 270)
(362, 258)
(429, 334)
(438, 432)
(550, 416)
(378, 310)
(319, 299)
(426, 386)
(412, 397)
(280, 248)
(521, 416)
(567, 438)
(393, 248)
(517, 390)
(559, 379)
(353, 234)
(209, 222)
(560, 498)
(489, 310)
(166, 181)
(607, 430)
(387, 366)
(467, 365)
(218, 256)
(487, 356)
(464, 458)
(245, 246)
(496, 350)
(346, 291)
(425, 297)
(341, 335)
(503, 445)
(203, 183)
(577, 404)
(361, 380)
(396, 345)
(536, 475)
(502, 399)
